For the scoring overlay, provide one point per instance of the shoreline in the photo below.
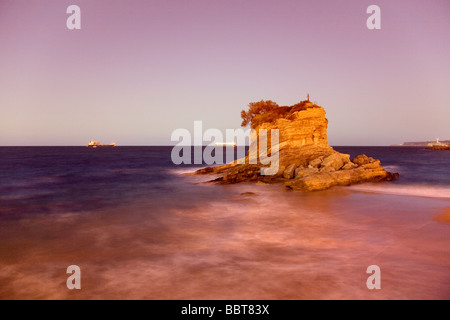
(383, 187)
(241, 241)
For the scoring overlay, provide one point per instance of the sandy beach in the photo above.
(242, 241)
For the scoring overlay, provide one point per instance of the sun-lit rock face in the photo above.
(302, 136)
(303, 128)
(306, 161)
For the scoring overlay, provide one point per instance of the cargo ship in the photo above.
(95, 144)
(225, 144)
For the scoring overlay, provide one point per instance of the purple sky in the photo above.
(139, 69)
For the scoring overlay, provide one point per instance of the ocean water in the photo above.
(140, 227)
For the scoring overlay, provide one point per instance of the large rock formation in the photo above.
(306, 161)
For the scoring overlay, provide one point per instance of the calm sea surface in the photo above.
(140, 228)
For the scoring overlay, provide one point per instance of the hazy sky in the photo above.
(139, 69)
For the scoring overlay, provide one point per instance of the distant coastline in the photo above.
(419, 144)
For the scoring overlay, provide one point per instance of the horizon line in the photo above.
(166, 145)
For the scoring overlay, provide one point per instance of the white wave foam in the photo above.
(415, 190)
(31, 182)
(392, 168)
(182, 171)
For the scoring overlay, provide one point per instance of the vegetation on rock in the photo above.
(268, 111)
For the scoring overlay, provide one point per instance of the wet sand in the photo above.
(222, 244)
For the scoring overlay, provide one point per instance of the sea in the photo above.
(140, 227)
